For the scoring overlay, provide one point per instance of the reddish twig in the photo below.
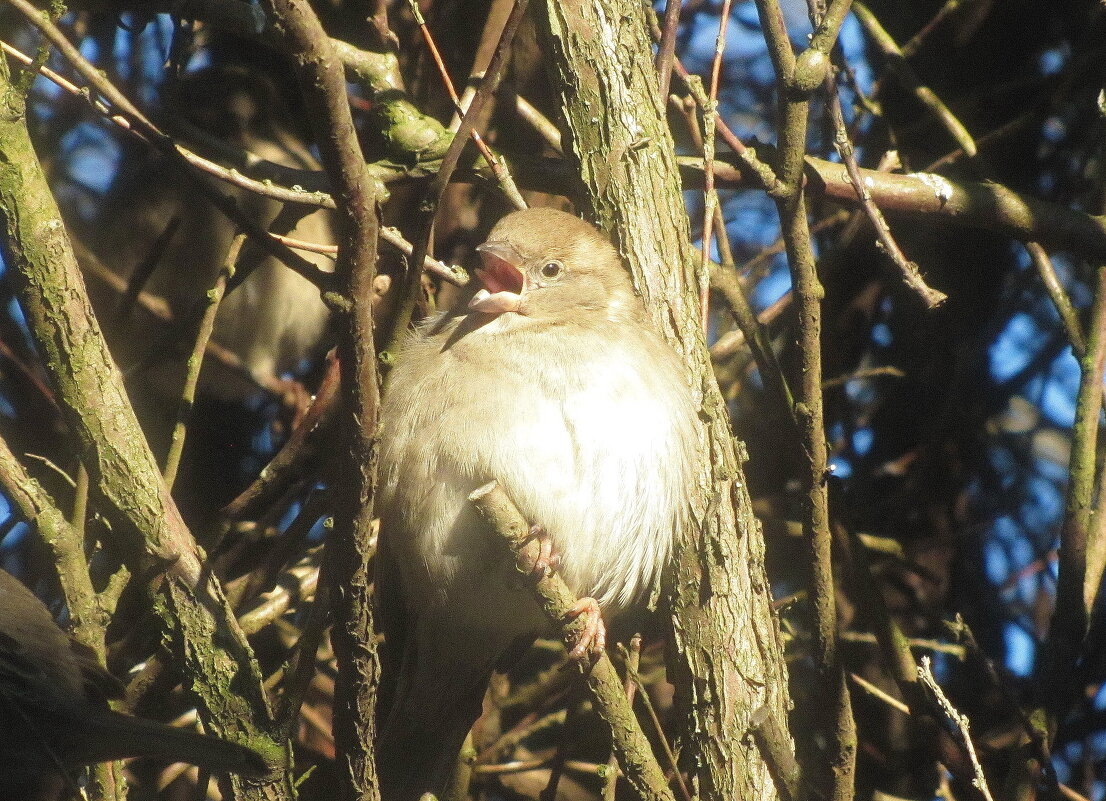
(666, 51)
(428, 209)
(503, 176)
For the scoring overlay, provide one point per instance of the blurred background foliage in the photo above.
(949, 429)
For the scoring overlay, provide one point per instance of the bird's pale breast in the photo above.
(590, 432)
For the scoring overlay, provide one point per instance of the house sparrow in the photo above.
(555, 384)
(53, 715)
(275, 320)
(156, 230)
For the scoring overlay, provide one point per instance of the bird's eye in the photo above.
(551, 269)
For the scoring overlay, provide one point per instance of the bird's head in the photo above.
(542, 263)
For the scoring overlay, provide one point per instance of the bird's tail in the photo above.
(436, 702)
(110, 735)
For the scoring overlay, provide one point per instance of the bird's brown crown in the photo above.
(548, 233)
(568, 264)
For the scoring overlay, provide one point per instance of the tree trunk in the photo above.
(726, 659)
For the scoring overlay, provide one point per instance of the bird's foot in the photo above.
(537, 558)
(592, 638)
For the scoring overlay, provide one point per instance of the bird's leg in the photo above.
(592, 638)
(537, 558)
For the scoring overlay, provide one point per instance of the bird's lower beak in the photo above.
(503, 280)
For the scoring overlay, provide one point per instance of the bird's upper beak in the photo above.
(502, 277)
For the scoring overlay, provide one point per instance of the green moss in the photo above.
(411, 136)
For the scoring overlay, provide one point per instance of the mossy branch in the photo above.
(124, 476)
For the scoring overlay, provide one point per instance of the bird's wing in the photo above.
(22, 680)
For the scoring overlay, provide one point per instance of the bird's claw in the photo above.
(537, 557)
(592, 638)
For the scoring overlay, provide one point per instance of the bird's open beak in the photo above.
(502, 277)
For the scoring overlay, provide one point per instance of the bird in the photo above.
(157, 232)
(273, 321)
(54, 717)
(553, 382)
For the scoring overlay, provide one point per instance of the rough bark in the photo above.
(322, 81)
(726, 656)
(218, 662)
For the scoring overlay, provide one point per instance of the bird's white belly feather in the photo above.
(590, 450)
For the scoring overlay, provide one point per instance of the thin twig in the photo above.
(764, 176)
(322, 82)
(560, 752)
(870, 372)
(527, 765)
(876, 692)
(509, 740)
(710, 196)
(905, 74)
(539, 122)
(828, 26)
(301, 667)
(915, 42)
(666, 50)
(66, 546)
(159, 308)
(499, 169)
(658, 728)
(164, 144)
(409, 293)
(1035, 728)
(285, 465)
(908, 270)
(302, 576)
(793, 113)
(1069, 618)
(724, 279)
(1069, 317)
(451, 273)
(195, 361)
(960, 721)
(731, 342)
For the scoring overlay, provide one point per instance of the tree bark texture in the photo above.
(217, 661)
(727, 660)
(349, 549)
